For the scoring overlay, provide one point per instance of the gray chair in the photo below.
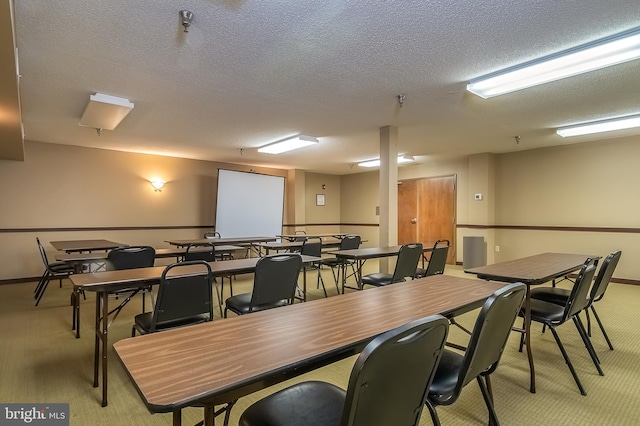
(313, 247)
(52, 270)
(130, 257)
(183, 299)
(387, 386)
(193, 253)
(406, 265)
(348, 242)
(274, 285)
(553, 315)
(560, 296)
(437, 260)
(480, 360)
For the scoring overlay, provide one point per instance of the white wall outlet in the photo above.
(477, 197)
(497, 248)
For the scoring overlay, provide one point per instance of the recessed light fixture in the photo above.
(612, 50)
(608, 125)
(402, 159)
(105, 112)
(288, 144)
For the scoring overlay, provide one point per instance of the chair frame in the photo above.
(166, 284)
(437, 260)
(405, 266)
(486, 345)
(48, 274)
(261, 281)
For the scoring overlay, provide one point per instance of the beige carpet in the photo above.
(41, 361)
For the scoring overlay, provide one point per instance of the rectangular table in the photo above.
(190, 367)
(220, 241)
(176, 252)
(289, 245)
(85, 245)
(103, 283)
(532, 270)
(361, 255)
(296, 237)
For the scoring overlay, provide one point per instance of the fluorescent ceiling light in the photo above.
(288, 144)
(105, 112)
(375, 163)
(609, 125)
(601, 53)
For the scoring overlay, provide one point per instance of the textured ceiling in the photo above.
(251, 72)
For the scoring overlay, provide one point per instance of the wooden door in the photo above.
(427, 211)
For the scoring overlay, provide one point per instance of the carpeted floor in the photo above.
(41, 361)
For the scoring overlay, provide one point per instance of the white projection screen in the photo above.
(249, 204)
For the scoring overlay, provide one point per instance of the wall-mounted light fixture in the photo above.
(288, 144)
(105, 112)
(612, 50)
(402, 159)
(157, 184)
(609, 125)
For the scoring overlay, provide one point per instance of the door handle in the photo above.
(414, 220)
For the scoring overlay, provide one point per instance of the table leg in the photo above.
(105, 329)
(177, 418)
(209, 417)
(359, 277)
(96, 349)
(527, 338)
(304, 284)
(76, 311)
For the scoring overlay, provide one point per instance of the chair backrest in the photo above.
(604, 275)
(438, 258)
(43, 253)
(275, 279)
(578, 298)
(390, 380)
(312, 247)
(408, 258)
(350, 242)
(490, 334)
(131, 257)
(192, 253)
(184, 292)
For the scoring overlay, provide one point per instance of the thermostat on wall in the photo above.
(478, 197)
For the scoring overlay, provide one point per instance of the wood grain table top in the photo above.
(532, 270)
(191, 365)
(85, 245)
(221, 241)
(100, 281)
(370, 252)
(160, 253)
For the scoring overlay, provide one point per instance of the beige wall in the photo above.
(69, 187)
(591, 184)
(586, 185)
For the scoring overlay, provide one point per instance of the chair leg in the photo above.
(587, 344)
(566, 359)
(320, 280)
(522, 336)
(493, 417)
(39, 285)
(43, 289)
(604, 333)
(434, 414)
(586, 312)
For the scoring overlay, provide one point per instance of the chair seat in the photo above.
(323, 404)
(240, 304)
(378, 279)
(542, 311)
(556, 295)
(60, 267)
(421, 272)
(143, 322)
(446, 378)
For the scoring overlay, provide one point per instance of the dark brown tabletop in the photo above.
(160, 253)
(223, 360)
(221, 241)
(532, 270)
(85, 245)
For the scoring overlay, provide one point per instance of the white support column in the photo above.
(388, 190)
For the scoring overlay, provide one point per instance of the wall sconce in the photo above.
(157, 184)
